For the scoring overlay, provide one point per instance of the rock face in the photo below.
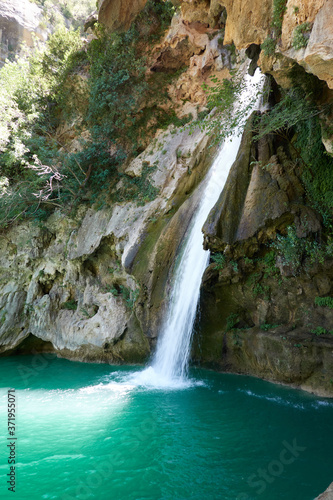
(94, 286)
(249, 22)
(19, 21)
(263, 193)
(259, 315)
(198, 52)
(117, 15)
(289, 357)
(88, 286)
(317, 56)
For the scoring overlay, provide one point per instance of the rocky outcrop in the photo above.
(94, 286)
(263, 194)
(19, 22)
(249, 23)
(199, 54)
(292, 357)
(317, 56)
(260, 314)
(257, 321)
(86, 285)
(118, 15)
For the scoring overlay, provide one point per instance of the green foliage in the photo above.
(234, 266)
(130, 296)
(301, 35)
(321, 331)
(28, 87)
(290, 248)
(318, 172)
(71, 305)
(270, 268)
(116, 76)
(232, 320)
(59, 12)
(3, 318)
(297, 112)
(293, 250)
(260, 289)
(219, 260)
(279, 8)
(138, 189)
(253, 279)
(324, 302)
(37, 94)
(229, 112)
(268, 46)
(267, 326)
(293, 108)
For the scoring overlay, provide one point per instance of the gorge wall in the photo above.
(19, 22)
(93, 285)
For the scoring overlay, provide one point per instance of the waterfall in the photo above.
(169, 364)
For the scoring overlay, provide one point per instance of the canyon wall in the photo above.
(20, 21)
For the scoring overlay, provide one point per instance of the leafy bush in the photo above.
(130, 296)
(229, 111)
(268, 46)
(324, 302)
(301, 35)
(220, 260)
(31, 87)
(279, 8)
(297, 112)
(267, 326)
(293, 249)
(232, 320)
(290, 248)
(37, 94)
(318, 172)
(293, 108)
(321, 331)
(71, 305)
(74, 11)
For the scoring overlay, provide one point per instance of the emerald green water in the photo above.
(85, 431)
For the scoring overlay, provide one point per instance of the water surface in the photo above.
(86, 431)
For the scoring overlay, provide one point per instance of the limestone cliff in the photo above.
(92, 285)
(260, 314)
(19, 22)
(249, 22)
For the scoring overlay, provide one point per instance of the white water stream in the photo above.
(169, 365)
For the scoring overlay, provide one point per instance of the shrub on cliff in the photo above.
(37, 95)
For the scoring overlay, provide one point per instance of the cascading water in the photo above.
(169, 365)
